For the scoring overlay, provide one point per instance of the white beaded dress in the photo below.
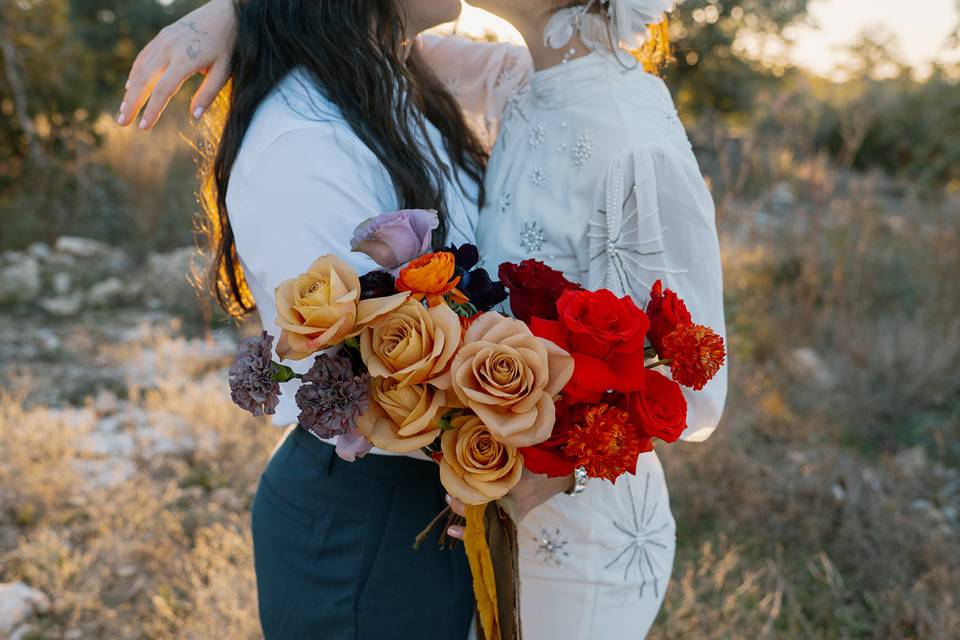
(593, 174)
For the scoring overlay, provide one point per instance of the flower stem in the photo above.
(422, 536)
(658, 363)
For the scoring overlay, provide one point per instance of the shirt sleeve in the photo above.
(654, 219)
(481, 75)
(301, 198)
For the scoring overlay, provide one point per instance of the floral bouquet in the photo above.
(412, 357)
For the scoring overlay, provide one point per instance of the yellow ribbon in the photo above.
(481, 567)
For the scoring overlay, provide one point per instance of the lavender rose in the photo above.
(332, 398)
(394, 239)
(254, 383)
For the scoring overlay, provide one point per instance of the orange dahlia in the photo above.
(431, 277)
(696, 353)
(604, 441)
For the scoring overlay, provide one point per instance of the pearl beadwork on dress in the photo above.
(537, 176)
(551, 547)
(532, 237)
(582, 149)
(537, 135)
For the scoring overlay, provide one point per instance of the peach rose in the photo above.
(402, 419)
(322, 307)
(413, 344)
(476, 467)
(509, 378)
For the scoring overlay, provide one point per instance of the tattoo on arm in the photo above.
(194, 49)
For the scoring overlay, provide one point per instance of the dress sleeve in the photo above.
(301, 198)
(481, 75)
(654, 219)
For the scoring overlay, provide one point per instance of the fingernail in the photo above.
(143, 123)
(448, 498)
(121, 119)
(123, 107)
(127, 86)
(197, 113)
(453, 533)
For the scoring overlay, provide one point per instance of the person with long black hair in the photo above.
(331, 119)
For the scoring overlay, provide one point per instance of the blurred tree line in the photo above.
(64, 63)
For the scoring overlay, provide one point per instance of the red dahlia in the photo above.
(696, 352)
(605, 442)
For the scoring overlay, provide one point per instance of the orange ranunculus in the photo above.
(402, 419)
(509, 377)
(476, 467)
(605, 442)
(431, 277)
(696, 352)
(322, 307)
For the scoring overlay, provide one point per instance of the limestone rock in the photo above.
(19, 603)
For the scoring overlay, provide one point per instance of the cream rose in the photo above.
(476, 467)
(322, 307)
(402, 419)
(509, 378)
(413, 344)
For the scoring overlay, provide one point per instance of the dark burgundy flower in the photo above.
(484, 293)
(332, 398)
(377, 284)
(534, 289)
(253, 386)
(467, 255)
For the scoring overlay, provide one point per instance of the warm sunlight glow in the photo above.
(921, 27)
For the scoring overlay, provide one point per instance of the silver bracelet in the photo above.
(579, 482)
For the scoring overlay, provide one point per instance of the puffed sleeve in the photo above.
(482, 76)
(654, 219)
(301, 198)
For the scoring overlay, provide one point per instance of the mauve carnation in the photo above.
(252, 385)
(394, 239)
(332, 399)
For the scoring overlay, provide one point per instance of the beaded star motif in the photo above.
(551, 547)
(532, 237)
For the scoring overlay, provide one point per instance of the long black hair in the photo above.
(356, 52)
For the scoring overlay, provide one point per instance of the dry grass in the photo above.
(826, 507)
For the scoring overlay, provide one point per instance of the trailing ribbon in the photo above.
(481, 567)
(490, 540)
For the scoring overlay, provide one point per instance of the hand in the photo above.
(200, 42)
(532, 491)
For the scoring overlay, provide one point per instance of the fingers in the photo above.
(456, 506)
(216, 78)
(455, 532)
(146, 71)
(165, 88)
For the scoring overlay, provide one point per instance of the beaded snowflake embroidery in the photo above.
(532, 237)
(551, 547)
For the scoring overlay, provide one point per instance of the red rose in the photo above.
(659, 408)
(534, 289)
(605, 335)
(599, 323)
(666, 311)
(549, 458)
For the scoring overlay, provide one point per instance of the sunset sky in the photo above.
(921, 25)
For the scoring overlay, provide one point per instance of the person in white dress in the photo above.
(593, 174)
